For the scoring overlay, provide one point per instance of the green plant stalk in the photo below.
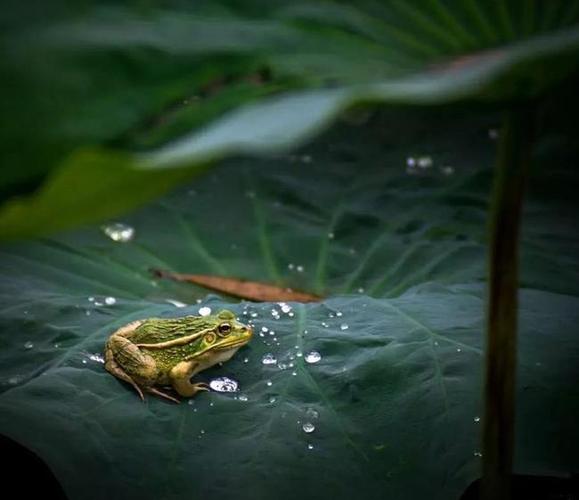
(501, 351)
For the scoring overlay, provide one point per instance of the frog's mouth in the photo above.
(236, 341)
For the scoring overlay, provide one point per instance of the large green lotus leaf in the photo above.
(400, 250)
(189, 84)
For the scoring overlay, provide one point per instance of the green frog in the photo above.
(167, 352)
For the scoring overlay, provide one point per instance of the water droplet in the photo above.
(285, 307)
(14, 380)
(299, 354)
(306, 159)
(204, 311)
(290, 314)
(84, 361)
(223, 384)
(268, 359)
(344, 326)
(91, 299)
(282, 366)
(253, 315)
(290, 267)
(28, 345)
(269, 383)
(88, 313)
(202, 431)
(294, 373)
(313, 357)
(250, 194)
(476, 420)
(312, 414)
(308, 427)
(424, 161)
(243, 397)
(331, 236)
(119, 232)
(264, 329)
(493, 134)
(458, 349)
(97, 358)
(110, 301)
(477, 454)
(447, 170)
(176, 303)
(272, 400)
(300, 269)
(410, 161)
(360, 290)
(310, 446)
(272, 333)
(56, 345)
(339, 313)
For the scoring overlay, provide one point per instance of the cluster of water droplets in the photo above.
(420, 165)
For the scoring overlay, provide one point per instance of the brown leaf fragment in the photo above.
(249, 290)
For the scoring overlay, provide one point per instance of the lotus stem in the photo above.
(514, 151)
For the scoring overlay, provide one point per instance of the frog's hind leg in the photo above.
(112, 367)
(162, 394)
(135, 363)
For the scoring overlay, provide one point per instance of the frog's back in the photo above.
(156, 330)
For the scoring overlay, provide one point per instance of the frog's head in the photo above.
(226, 334)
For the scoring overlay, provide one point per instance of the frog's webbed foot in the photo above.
(162, 394)
(186, 389)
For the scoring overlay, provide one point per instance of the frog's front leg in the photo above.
(180, 375)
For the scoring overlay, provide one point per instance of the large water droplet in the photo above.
(223, 384)
(344, 326)
(313, 357)
(308, 427)
(110, 301)
(339, 313)
(119, 232)
(285, 307)
(268, 359)
(204, 311)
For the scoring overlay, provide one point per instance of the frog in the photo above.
(159, 352)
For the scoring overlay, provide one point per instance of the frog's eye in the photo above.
(210, 338)
(224, 329)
